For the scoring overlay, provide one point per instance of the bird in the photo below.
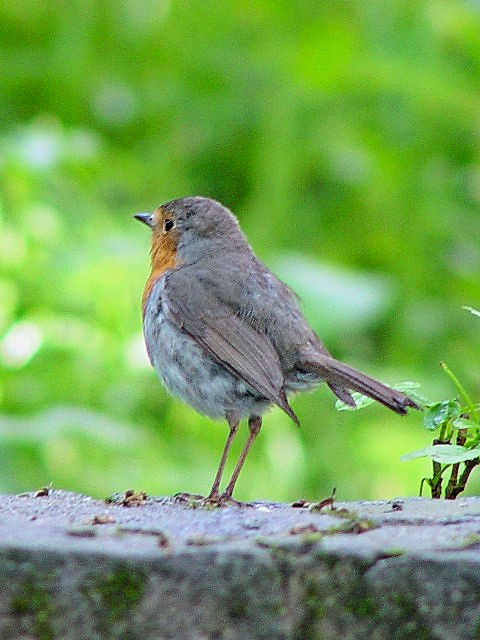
(226, 335)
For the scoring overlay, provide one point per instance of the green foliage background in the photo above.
(345, 135)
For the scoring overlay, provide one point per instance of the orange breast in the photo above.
(164, 257)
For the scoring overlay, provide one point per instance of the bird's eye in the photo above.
(168, 225)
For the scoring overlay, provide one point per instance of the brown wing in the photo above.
(228, 338)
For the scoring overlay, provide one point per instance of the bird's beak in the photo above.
(146, 218)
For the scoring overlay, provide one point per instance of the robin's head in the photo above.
(187, 229)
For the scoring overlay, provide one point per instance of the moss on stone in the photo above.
(362, 606)
(33, 604)
(117, 593)
(410, 626)
(121, 590)
(239, 606)
(476, 629)
(314, 610)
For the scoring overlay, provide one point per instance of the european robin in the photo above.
(225, 334)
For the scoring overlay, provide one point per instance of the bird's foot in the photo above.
(213, 501)
(223, 500)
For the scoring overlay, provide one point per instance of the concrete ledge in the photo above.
(74, 568)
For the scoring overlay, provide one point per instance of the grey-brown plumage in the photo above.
(225, 334)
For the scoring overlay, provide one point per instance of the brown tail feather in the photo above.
(340, 377)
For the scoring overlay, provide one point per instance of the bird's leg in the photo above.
(254, 425)
(233, 425)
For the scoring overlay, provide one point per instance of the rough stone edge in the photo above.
(286, 591)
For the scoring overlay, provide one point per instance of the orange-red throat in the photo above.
(163, 252)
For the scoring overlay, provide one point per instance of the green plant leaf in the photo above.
(440, 412)
(407, 385)
(361, 402)
(419, 398)
(410, 389)
(463, 423)
(444, 453)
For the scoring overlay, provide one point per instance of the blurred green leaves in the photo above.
(335, 299)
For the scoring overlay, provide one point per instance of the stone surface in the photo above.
(75, 568)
